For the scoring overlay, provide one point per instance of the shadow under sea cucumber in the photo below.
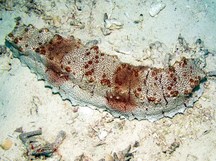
(87, 76)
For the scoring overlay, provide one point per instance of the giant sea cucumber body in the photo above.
(84, 74)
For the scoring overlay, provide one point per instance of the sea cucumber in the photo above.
(85, 75)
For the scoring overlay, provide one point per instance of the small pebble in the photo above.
(6, 144)
(102, 135)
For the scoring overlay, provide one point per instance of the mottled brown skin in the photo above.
(55, 50)
(126, 80)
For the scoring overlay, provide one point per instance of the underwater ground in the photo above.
(126, 29)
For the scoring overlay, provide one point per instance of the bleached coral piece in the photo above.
(113, 24)
(156, 8)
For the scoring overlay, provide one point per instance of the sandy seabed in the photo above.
(91, 134)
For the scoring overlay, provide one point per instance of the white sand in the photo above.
(24, 102)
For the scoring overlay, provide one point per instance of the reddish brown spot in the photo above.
(194, 83)
(118, 69)
(104, 75)
(16, 40)
(139, 89)
(88, 73)
(42, 48)
(58, 38)
(96, 57)
(119, 82)
(96, 61)
(20, 49)
(184, 74)
(42, 52)
(153, 73)
(136, 74)
(51, 48)
(95, 48)
(68, 69)
(183, 62)
(171, 70)
(172, 84)
(86, 66)
(169, 88)
(88, 53)
(174, 79)
(105, 82)
(191, 80)
(174, 93)
(187, 91)
(151, 99)
(90, 62)
(128, 68)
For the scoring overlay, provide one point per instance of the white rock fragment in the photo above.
(105, 31)
(156, 8)
(5, 64)
(70, 122)
(113, 24)
(56, 21)
(102, 134)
